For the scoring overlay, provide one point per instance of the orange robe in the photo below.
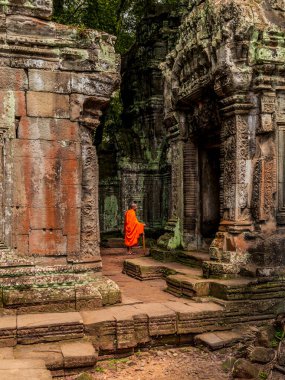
(133, 228)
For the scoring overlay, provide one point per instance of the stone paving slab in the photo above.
(219, 339)
(24, 370)
(8, 331)
(50, 353)
(78, 354)
(6, 353)
(48, 319)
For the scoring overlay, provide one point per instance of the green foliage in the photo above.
(99, 369)
(263, 375)
(117, 17)
(278, 337)
(111, 123)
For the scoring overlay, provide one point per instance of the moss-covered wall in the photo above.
(133, 163)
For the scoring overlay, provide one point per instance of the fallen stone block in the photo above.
(262, 355)
(218, 339)
(245, 369)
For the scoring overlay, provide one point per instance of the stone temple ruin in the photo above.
(201, 149)
(224, 146)
(55, 81)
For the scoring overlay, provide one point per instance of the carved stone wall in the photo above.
(55, 81)
(143, 172)
(232, 53)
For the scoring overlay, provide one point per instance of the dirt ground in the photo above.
(185, 363)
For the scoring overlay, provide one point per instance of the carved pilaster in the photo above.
(2, 185)
(236, 164)
(90, 236)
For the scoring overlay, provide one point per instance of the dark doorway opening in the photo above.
(209, 178)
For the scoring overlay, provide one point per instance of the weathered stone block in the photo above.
(41, 150)
(141, 329)
(13, 79)
(262, 355)
(8, 331)
(36, 8)
(73, 244)
(21, 220)
(50, 353)
(46, 218)
(48, 129)
(50, 81)
(22, 26)
(98, 84)
(244, 369)
(126, 337)
(47, 242)
(101, 326)
(71, 196)
(78, 354)
(87, 297)
(22, 244)
(38, 328)
(162, 320)
(12, 104)
(70, 172)
(45, 104)
(25, 369)
(71, 221)
(265, 336)
(76, 60)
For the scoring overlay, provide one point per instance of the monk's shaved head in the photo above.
(134, 206)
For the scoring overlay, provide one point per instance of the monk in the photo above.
(132, 228)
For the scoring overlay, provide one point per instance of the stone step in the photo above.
(125, 328)
(231, 289)
(183, 285)
(218, 339)
(146, 268)
(190, 258)
(63, 358)
(48, 327)
(119, 330)
(12, 369)
(184, 281)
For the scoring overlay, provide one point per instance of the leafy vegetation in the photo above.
(117, 17)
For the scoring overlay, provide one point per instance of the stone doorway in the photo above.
(209, 178)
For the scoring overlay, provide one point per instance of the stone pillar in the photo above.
(55, 83)
(229, 249)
